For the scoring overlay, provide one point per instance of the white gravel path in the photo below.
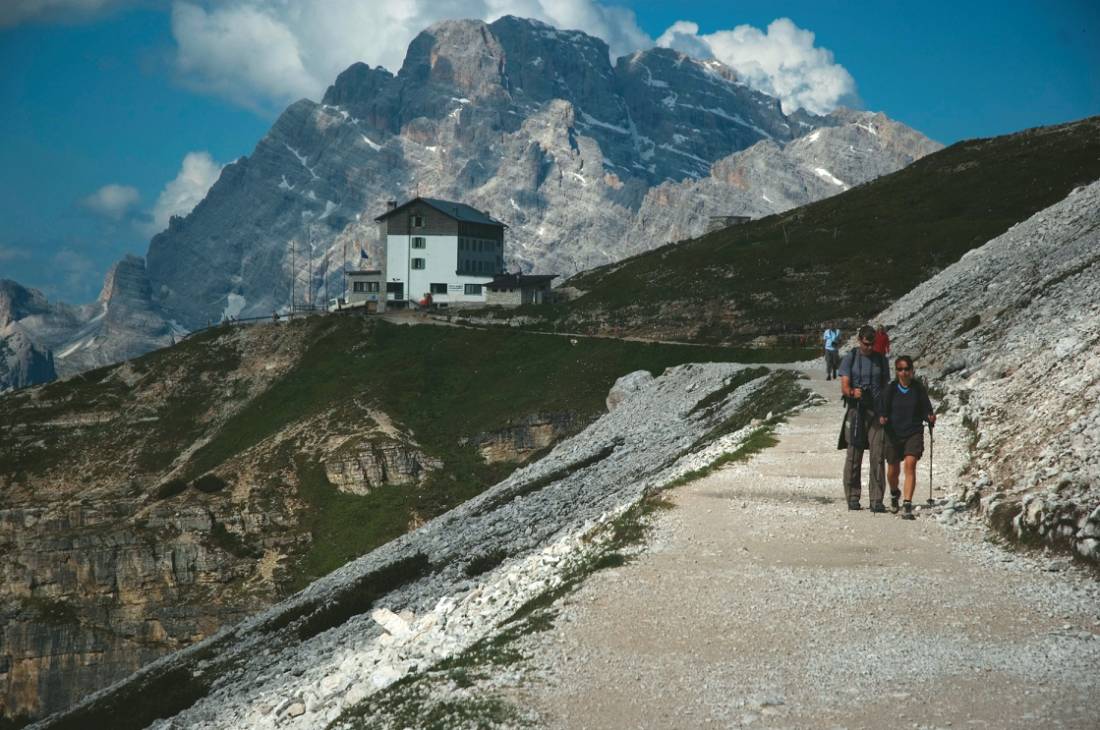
(761, 601)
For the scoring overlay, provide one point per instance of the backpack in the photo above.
(850, 358)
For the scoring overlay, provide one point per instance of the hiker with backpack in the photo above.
(904, 408)
(863, 377)
(832, 351)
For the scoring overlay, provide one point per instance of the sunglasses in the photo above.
(866, 343)
(903, 370)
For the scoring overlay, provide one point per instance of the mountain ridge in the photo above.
(588, 160)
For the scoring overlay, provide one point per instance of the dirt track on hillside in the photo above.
(761, 601)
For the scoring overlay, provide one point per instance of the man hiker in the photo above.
(863, 377)
(903, 409)
(882, 341)
(832, 354)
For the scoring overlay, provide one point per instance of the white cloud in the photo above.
(112, 201)
(71, 271)
(782, 62)
(7, 253)
(263, 55)
(14, 12)
(197, 173)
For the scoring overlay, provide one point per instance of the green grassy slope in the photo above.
(153, 431)
(844, 258)
(443, 385)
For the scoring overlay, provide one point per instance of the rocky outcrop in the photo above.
(22, 363)
(519, 441)
(94, 589)
(145, 506)
(1011, 336)
(627, 386)
(363, 463)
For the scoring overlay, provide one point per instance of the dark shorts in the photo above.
(899, 448)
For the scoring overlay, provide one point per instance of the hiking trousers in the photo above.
(853, 461)
(832, 362)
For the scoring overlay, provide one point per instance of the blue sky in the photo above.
(120, 96)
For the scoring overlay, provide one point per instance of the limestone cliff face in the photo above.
(92, 589)
(22, 361)
(769, 177)
(108, 561)
(362, 463)
(530, 435)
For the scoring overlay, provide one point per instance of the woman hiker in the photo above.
(905, 407)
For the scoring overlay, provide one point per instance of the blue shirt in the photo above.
(831, 336)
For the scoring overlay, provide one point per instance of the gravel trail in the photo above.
(761, 601)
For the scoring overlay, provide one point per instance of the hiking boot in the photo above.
(894, 503)
(907, 511)
(878, 507)
(853, 505)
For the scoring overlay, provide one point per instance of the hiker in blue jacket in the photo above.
(832, 352)
(903, 409)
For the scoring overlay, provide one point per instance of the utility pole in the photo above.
(324, 302)
(293, 273)
(344, 268)
(309, 273)
(408, 257)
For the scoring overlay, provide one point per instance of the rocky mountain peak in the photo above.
(463, 55)
(22, 361)
(18, 301)
(363, 91)
(518, 117)
(126, 283)
(544, 63)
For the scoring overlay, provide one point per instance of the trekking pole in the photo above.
(931, 451)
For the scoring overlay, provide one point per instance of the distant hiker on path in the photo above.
(903, 410)
(832, 353)
(882, 341)
(863, 377)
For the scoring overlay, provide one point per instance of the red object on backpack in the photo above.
(882, 343)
